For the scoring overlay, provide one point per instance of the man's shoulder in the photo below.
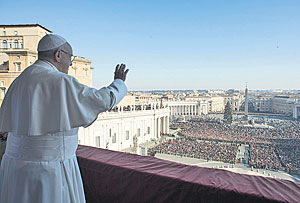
(36, 74)
(40, 70)
(59, 78)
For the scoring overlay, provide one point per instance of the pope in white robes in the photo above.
(41, 112)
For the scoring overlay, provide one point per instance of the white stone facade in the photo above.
(264, 104)
(123, 129)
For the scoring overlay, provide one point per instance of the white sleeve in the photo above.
(118, 92)
(85, 103)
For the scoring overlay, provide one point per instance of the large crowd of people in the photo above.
(274, 145)
(209, 150)
(264, 156)
(289, 156)
(213, 129)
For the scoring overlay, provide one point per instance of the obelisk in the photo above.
(246, 103)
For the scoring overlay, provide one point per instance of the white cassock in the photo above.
(42, 111)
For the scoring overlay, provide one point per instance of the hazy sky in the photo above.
(170, 44)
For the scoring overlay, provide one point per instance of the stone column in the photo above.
(162, 124)
(193, 109)
(106, 135)
(158, 127)
(133, 127)
(199, 108)
(168, 124)
(119, 137)
(296, 111)
(154, 127)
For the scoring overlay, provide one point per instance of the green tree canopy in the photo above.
(228, 113)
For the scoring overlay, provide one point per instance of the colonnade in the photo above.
(187, 109)
(296, 111)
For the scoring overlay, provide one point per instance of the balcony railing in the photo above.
(13, 49)
(110, 176)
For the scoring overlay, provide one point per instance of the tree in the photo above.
(228, 113)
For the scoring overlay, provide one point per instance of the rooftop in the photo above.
(25, 25)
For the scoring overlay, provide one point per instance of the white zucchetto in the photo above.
(50, 41)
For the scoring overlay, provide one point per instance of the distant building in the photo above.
(188, 108)
(128, 100)
(276, 104)
(126, 127)
(264, 104)
(217, 103)
(235, 100)
(18, 50)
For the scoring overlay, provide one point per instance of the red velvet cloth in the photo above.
(110, 176)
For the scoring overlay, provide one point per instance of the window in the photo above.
(21, 45)
(18, 57)
(16, 33)
(85, 70)
(4, 44)
(109, 132)
(2, 83)
(98, 141)
(127, 134)
(114, 138)
(4, 33)
(16, 43)
(148, 130)
(2, 94)
(18, 67)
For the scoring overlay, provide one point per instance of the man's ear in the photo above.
(57, 55)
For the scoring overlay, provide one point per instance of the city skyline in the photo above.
(173, 45)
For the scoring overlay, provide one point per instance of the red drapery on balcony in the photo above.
(111, 176)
